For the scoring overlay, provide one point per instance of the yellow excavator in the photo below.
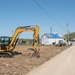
(7, 44)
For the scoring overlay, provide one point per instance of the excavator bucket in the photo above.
(35, 53)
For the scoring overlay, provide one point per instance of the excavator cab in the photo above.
(4, 41)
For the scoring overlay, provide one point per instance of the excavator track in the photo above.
(9, 54)
(6, 55)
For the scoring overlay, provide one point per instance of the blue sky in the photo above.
(14, 13)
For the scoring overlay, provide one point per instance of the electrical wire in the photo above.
(49, 15)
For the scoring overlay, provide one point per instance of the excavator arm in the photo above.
(19, 30)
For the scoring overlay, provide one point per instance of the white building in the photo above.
(50, 39)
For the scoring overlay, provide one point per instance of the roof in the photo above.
(53, 35)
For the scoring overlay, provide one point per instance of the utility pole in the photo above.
(51, 30)
(67, 33)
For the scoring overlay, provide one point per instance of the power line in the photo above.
(49, 15)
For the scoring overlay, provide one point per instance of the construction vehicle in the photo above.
(7, 44)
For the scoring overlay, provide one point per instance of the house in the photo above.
(51, 39)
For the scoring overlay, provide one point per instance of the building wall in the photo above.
(44, 40)
(57, 40)
(50, 41)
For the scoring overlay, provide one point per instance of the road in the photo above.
(62, 64)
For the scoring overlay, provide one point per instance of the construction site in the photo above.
(21, 59)
(48, 49)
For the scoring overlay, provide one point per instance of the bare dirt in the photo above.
(22, 64)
